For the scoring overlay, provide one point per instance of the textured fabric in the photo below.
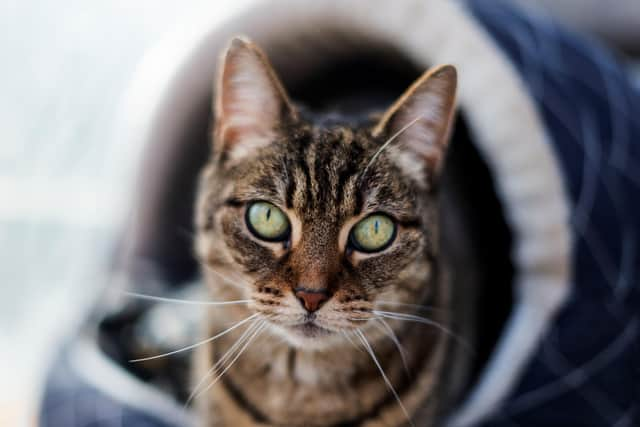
(69, 401)
(587, 369)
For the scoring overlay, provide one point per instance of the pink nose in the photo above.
(311, 299)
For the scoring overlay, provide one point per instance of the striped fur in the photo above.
(325, 178)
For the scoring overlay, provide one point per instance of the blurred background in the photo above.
(63, 174)
(65, 177)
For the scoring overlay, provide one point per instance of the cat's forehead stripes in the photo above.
(324, 175)
(318, 175)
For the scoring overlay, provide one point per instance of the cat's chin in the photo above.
(308, 336)
(310, 330)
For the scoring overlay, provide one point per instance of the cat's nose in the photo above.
(311, 299)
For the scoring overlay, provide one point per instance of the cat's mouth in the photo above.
(310, 329)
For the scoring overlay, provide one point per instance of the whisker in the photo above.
(392, 335)
(425, 321)
(183, 301)
(386, 144)
(256, 333)
(348, 338)
(282, 320)
(363, 319)
(189, 347)
(254, 325)
(367, 346)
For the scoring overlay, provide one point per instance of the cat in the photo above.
(330, 238)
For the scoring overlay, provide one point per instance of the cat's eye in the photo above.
(267, 222)
(373, 234)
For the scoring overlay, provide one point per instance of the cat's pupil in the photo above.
(375, 226)
(268, 214)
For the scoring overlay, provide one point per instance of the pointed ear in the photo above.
(250, 102)
(422, 119)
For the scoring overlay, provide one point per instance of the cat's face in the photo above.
(317, 226)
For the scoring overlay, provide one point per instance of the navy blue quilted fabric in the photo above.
(587, 369)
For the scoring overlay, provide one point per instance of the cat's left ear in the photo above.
(421, 120)
(250, 102)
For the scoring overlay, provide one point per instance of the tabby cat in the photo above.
(329, 238)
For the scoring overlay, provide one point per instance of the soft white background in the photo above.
(65, 66)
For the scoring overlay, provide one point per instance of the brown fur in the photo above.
(324, 179)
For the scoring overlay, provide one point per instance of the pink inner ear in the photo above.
(249, 102)
(423, 136)
(426, 112)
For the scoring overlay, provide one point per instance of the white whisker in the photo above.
(256, 333)
(254, 325)
(392, 335)
(189, 347)
(183, 301)
(348, 338)
(363, 319)
(423, 320)
(367, 346)
(386, 144)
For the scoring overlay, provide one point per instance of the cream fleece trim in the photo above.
(86, 359)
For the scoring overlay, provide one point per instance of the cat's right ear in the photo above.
(250, 103)
(421, 121)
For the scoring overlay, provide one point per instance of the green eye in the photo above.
(267, 222)
(373, 234)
